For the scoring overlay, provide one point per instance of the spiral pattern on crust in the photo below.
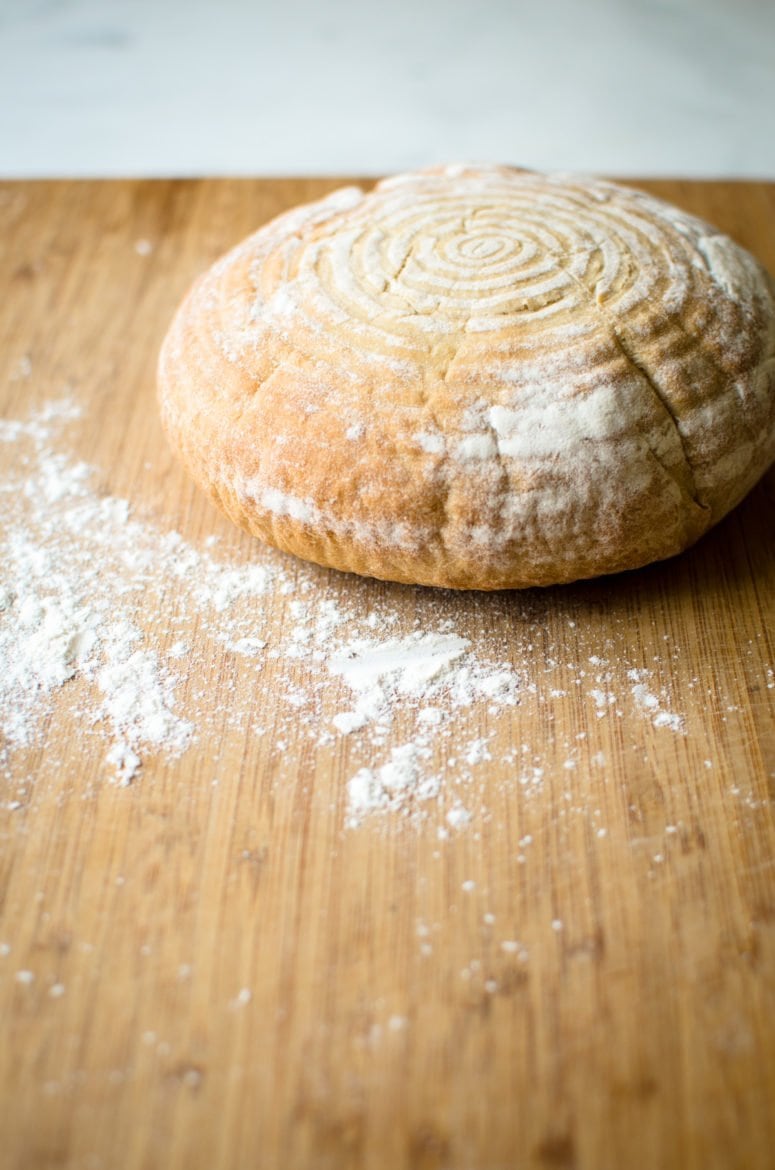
(502, 252)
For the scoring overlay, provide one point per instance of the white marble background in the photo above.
(187, 87)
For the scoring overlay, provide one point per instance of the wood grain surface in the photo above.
(385, 1025)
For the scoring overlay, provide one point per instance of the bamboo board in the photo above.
(386, 1025)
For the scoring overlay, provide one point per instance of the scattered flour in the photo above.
(421, 667)
(402, 779)
(65, 613)
(127, 619)
(652, 704)
(85, 594)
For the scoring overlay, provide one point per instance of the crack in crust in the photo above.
(660, 395)
(664, 401)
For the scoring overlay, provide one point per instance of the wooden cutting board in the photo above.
(382, 1022)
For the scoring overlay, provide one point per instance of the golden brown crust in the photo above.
(476, 378)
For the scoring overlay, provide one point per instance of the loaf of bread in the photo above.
(478, 378)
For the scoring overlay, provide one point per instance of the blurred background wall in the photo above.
(183, 87)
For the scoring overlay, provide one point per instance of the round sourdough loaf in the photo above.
(477, 377)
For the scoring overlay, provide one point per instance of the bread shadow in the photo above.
(735, 557)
